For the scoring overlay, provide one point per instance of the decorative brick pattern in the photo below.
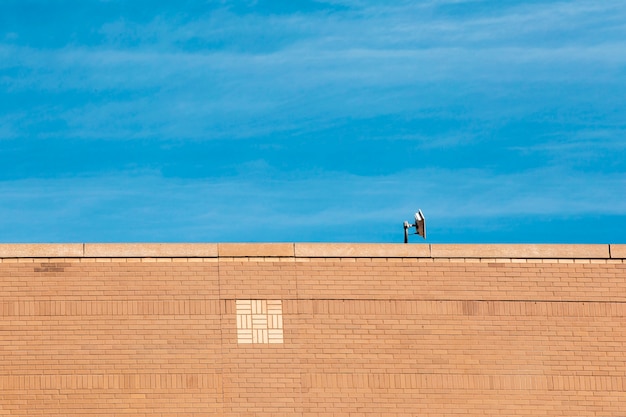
(259, 321)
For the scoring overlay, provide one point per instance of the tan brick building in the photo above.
(312, 330)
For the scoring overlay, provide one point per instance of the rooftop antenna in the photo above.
(420, 226)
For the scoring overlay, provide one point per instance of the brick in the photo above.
(345, 330)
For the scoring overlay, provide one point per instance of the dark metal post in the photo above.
(406, 232)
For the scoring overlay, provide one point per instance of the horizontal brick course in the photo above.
(618, 251)
(377, 330)
(347, 250)
(40, 250)
(313, 250)
(249, 250)
(142, 250)
(521, 251)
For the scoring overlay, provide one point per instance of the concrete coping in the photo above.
(311, 250)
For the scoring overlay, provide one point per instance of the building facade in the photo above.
(312, 330)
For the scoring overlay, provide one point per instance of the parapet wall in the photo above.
(310, 250)
(312, 330)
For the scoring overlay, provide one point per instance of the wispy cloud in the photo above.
(260, 207)
(339, 108)
(192, 94)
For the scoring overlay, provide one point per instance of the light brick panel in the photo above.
(365, 330)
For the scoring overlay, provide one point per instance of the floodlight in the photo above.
(420, 226)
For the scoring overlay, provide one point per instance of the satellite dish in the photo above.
(419, 225)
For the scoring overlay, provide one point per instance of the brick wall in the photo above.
(312, 330)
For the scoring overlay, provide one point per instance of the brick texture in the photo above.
(365, 331)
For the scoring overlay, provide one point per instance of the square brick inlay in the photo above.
(259, 321)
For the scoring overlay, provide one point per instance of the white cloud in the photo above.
(229, 76)
(371, 59)
(145, 206)
(195, 95)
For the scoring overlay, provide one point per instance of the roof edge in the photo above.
(311, 250)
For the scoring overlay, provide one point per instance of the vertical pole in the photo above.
(406, 232)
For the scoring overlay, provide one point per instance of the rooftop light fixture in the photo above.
(420, 226)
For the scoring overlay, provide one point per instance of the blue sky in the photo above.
(301, 120)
